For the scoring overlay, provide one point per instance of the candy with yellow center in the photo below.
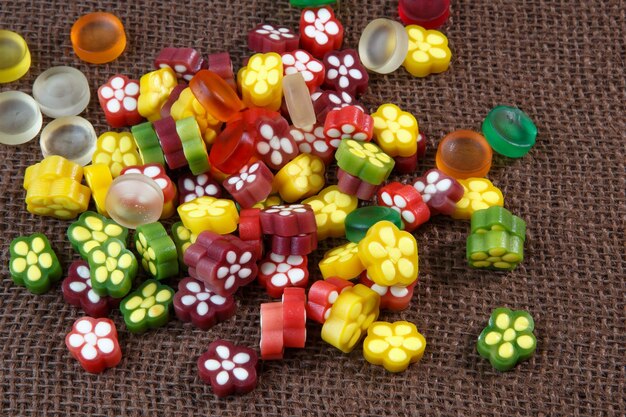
(208, 213)
(331, 207)
(183, 238)
(389, 254)
(300, 178)
(261, 82)
(395, 131)
(154, 90)
(62, 198)
(479, 194)
(393, 345)
(186, 106)
(157, 251)
(147, 307)
(51, 168)
(112, 268)
(342, 262)
(33, 263)
(117, 150)
(364, 160)
(428, 52)
(98, 178)
(91, 230)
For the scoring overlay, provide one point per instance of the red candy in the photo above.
(312, 70)
(344, 72)
(349, 184)
(93, 343)
(250, 229)
(118, 98)
(277, 272)
(349, 122)
(253, 183)
(439, 191)
(326, 101)
(407, 201)
(185, 62)
(230, 369)
(195, 303)
(170, 142)
(429, 14)
(294, 317)
(320, 31)
(269, 38)
(322, 296)
(193, 186)
(77, 292)
(275, 145)
(394, 298)
(167, 106)
(288, 220)
(312, 140)
(272, 344)
(222, 65)
(232, 148)
(294, 245)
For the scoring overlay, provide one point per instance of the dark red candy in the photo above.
(294, 245)
(167, 106)
(253, 183)
(405, 164)
(192, 186)
(326, 101)
(430, 14)
(394, 298)
(165, 129)
(184, 61)
(275, 146)
(222, 65)
(294, 317)
(77, 292)
(344, 72)
(349, 184)
(421, 145)
(277, 272)
(439, 191)
(269, 38)
(230, 369)
(312, 140)
(288, 220)
(195, 303)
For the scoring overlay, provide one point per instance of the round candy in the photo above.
(464, 154)
(70, 137)
(509, 131)
(383, 46)
(98, 37)
(133, 200)
(429, 14)
(15, 56)
(61, 91)
(360, 220)
(215, 95)
(20, 118)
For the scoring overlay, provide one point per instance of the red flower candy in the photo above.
(230, 369)
(288, 220)
(93, 343)
(312, 70)
(344, 72)
(439, 191)
(222, 65)
(275, 145)
(320, 31)
(326, 101)
(277, 272)
(407, 201)
(250, 229)
(195, 303)
(233, 147)
(272, 344)
(269, 38)
(294, 317)
(312, 140)
(349, 184)
(77, 292)
(294, 245)
(322, 296)
(349, 122)
(194, 186)
(253, 183)
(118, 99)
(393, 298)
(184, 61)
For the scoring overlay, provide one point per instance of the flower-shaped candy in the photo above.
(183, 238)
(342, 262)
(112, 268)
(154, 89)
(326, 101)
(331, 207)
(439, 191)
(118, 99)
(147, 307)
(355, 186)
(117, 150)
(478, 194)
(495, 249)
(93, 343)
(52, 167)
(262, 81)
(252, 184)
(157, 251)
(99, 179)
(300, 245)
(344, 72)
(311, 69)
(394, 298)
(91, 230)
(349, 122)
(320, 31)
(77, 291)
(508, 339)
(300, 178)
(395, 130)
(276, 272)
(407, 201)
(428, 52)
(157, 173)
(364, 160)
(33, 263)
(389, 254)
(270, 38)
(62, 198)
(250, 228)
(184, 61)
(288, 220)
(311, 139)
(275, 145)
(208, 213)
(393, 345)
(186, 106)
(192, 186)
(322, 295)
(195, 303)
(230, 369)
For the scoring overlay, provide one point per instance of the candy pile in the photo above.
(241, 158)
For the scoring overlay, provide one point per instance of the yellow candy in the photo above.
(261, 82)
(62, 198)
(187, 106)
(393, 345)
(342, 262)
(273, 200)
(395, 131)
(331, 207)
(117, 150)
(428, 52)
(98, 178)
(154, 89)
(300, 178)
(208, 213)
(479, 194)
(53, 167)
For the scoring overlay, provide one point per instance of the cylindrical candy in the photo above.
(360, 220)
(215, 95)
(61, 91)
(20, 118)
(463, 154)
(509, 131)
(383, 46)
(134, 199)
(98, 37)
(298, 100)
(72, 137)
(15, 56)
(430, 14)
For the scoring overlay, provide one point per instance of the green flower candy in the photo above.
(147, 307)
(112, 268)
(157, 251)
(91, 230)
(33, 263)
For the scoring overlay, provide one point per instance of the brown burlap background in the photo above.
(560, 61)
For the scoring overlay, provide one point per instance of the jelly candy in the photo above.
(463, 154)
(23, 122)
(98, 37)
(252, 184)
(195, 303)
(61, 91)
(185, 62)
(349, 122)
(154, 89)
(157, 251)
(428, 52)
(93, 343)
(331, 207)
(509, 131)
(300, 178)
(393, 345)
(439, 191)
(147, 307)
(33, 263)
(134, 199)
(383, 46)
(118, 98)
(298, 100)
(277, 272)
(342, 262)
(495, 249)
(395, 130)
(269, 38)
(16, 56)
(215, 95)
(364, 160)
(429, 14)
(407, 201)
(208, 213)
(157, 173)
(320, 31)
(261, 81)
(71, 137)
(187, 105)
(478, 194)
(344, 72)
(233, 147)
(230, 369)
(359, 221)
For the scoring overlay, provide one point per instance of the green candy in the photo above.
(498, 218)
(148, 143)
(147, 307)
(508, 339)
(360, 220)
(509, 131)
(311, 3)
(33, 263)
(495, 249)
(157, 251)
(364, 160)
(91, 230)
(193, 145)
(112, 268)
(183, 238)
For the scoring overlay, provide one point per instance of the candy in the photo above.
(98, 37)
(509, 131)
(154, 89)
(147, 307)
(193, 146)
(222, 65)
(70, 137)
(349, 122)
(230, 369)
(320, 31)
(33, 263)
(77, 291)
(298, 100)
(195, 303)
(270, 38)
(272, 200)
(389, 254)
(342, 262)
(271, 319)
(223, 262)
(208, 213)
(277, 272)
(148, 143)
(309, 3)
(134, 199)
(61, 91)
(497, 218)
(112, 268)
(170, 142)
(14, 50)
(331, 207)
(275, 145)
(261, 81)
(183, 238)
(192, 186)
(157, 173)
(439, 191)
(322, 295)
(364, 160)
(426, 13)
(428, 52)
(302, 62)
(98, 178)
(62, 198)
(478, 194)
(233, 147)
(508, 338)
(362, 219)
(252, 184)
(118, 98)
(166, 109)
(185, 62)
(157, 251)
(215, 95)
(300, 245)
(496, 249)
(288, 220)
(52, 168)
(187, 105)
(355, 186)
(395, 131)
(250, 224)
(383, 46)
(300, 178)
(20, 117)
(93, 343)
(393, 345)
(407, 201)
(326, 101)
(344, 72)
(294, 317)
(312, 140)
(394, 297)
(91, 230)
(352, 313)
(117, 151)
(463, 154)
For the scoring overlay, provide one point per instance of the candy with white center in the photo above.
(275, 145)
(269, 38)
(349, 122)
(195, 303)
(288, 220)
(277, 272)
(77, 291)
(157, 173)
(312, 70)
(184, 61)
(253, 183)
(344, 72)
(439, 191)
(312, 140)
(229, 368)
(322, 295)
(320, 31)
(392, 298)
(118, 99)
(407, 202)
(193, 186)
(93, 343)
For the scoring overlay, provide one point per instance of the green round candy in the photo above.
(360, 220)
(509, 131)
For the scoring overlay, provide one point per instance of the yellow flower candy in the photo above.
(479, 194)
(300, 178)
(62, 198)
(261, 82)
(53, 167)
(393, 345)
(208, 213)
(98, 178)
(117, 150)
(395, 131)
(428, 52)
(342, 262)
(331, 207)
(154, 89)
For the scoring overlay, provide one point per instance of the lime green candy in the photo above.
(364, 160)
(193, 145)
(148, 143)
(498, 218)
(183, 238)
(311, 3)
(91, 230)
(113, 268)
(157, 251)
(33, 263)
(147, 307)
(509, 131)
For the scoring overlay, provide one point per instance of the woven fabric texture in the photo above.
(561, 61)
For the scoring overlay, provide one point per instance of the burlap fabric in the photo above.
(560, 61)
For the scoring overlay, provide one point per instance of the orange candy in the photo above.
(464, 154)
(98, 37)
(215, 95)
